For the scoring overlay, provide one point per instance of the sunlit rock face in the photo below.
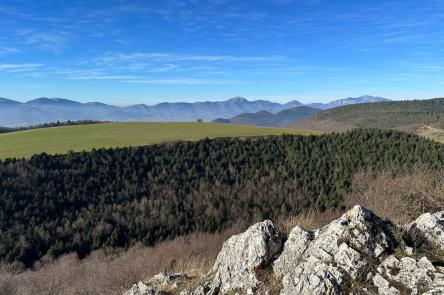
(242, 257)
(359, 253)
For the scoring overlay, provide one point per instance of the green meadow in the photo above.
(59, 140)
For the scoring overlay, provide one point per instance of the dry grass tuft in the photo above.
(400, 198)
(111, 271)
(311, 220)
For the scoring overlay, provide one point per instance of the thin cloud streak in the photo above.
(171, 57)
(182, 81)
(15, 67)
(100, 77)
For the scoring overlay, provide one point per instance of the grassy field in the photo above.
(432, 133)
(86, 137)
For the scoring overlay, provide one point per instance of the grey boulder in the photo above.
(243, 256)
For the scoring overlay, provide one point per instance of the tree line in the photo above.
(79, 202)
(50, 124)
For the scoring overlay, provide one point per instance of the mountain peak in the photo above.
(371, 97)
(365, 98)
(349, 100)
(237, 99)
(293, 103)
(52, 101)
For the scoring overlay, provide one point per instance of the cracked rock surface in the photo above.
(142, 289)
(428, 228)
(335, 255)
(244, 255)
(411, 275)
(355, 254)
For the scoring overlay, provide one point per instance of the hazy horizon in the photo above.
(157, 101)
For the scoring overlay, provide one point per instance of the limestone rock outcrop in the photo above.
(201, 289)
(326, 259)
(141, 289)
(409, 274)
(242, 257)
(359, 253)
(295, 246)
(167, 280)
(427, 229)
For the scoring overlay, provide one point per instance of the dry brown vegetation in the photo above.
(113, 271)
(322, 125)
(310, 220)
(401, 198)
(432, 133)
(398, 197)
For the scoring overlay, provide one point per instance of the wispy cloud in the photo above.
(53, 41)
(12, 12)
(101, 77)
(165, 69)
(153, 76)
(171, 57)
(19, 67)
(4, 49)
(182, 81)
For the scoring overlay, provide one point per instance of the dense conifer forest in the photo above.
(78, 202)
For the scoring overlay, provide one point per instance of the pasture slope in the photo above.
(59, 140)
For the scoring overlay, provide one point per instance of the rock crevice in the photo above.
(355, 254)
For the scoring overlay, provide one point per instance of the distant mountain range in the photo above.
(348, 101)
(264, 118)
(43, 110)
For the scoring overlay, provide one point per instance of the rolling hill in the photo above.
(410, 115)
(87, 137)
(280, 119)
(77, 203)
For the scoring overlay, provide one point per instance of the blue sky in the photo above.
(125, 52)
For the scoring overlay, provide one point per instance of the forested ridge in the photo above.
(50, 205)
(390, 114)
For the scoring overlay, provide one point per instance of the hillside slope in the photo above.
(107, 135)
(403, 115)
(280, 119)
(80, 202)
